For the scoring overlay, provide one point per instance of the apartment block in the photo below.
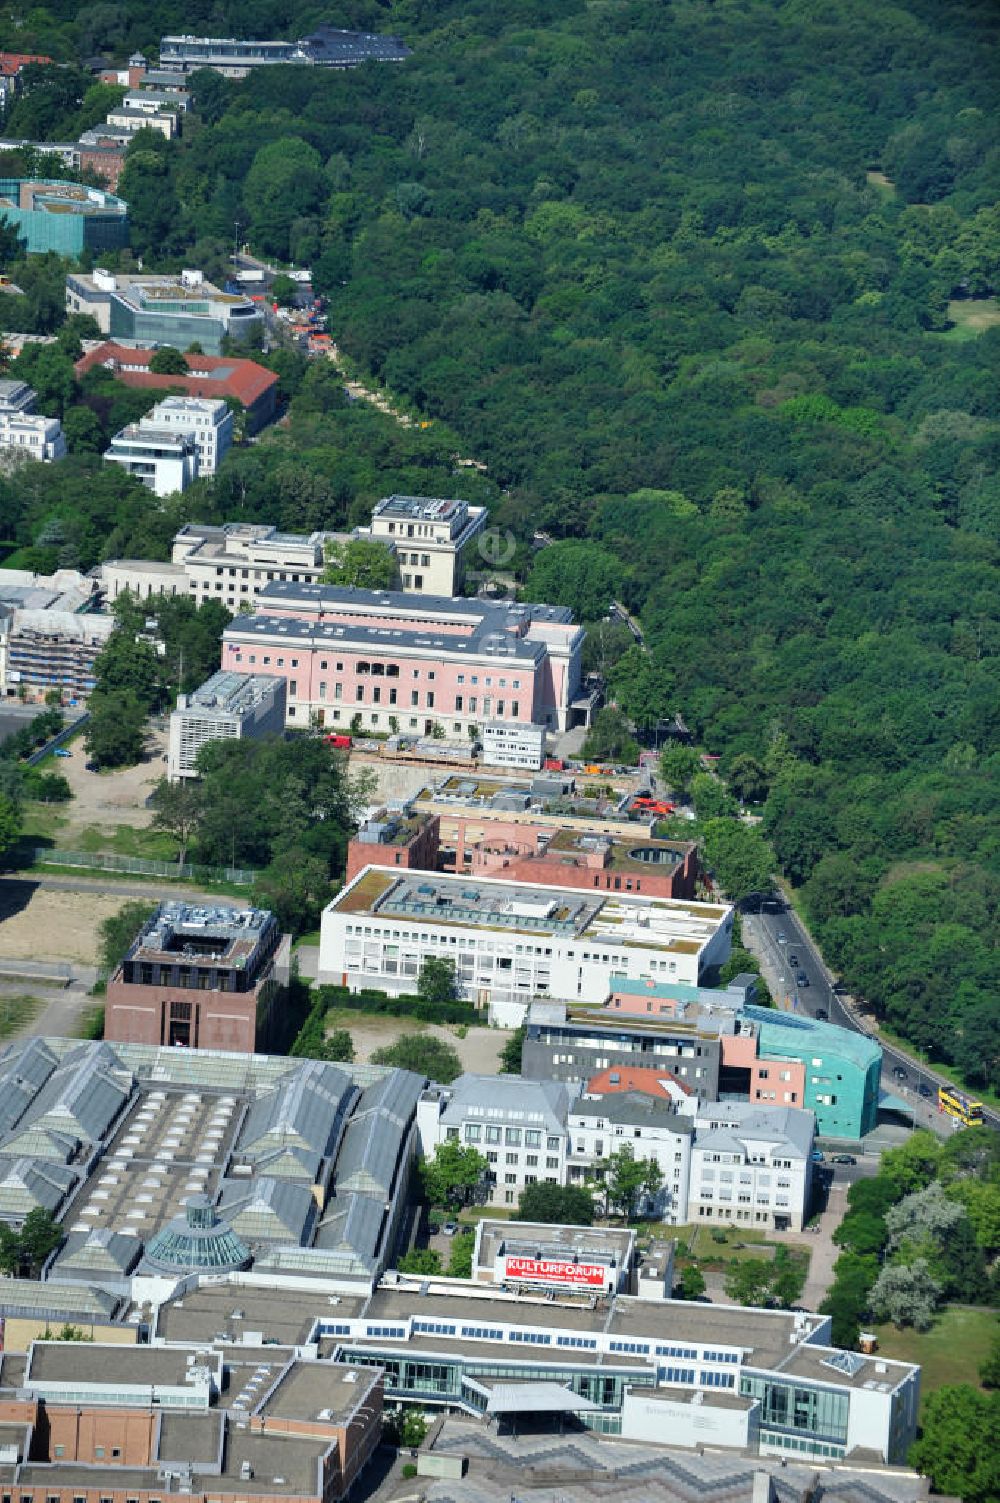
(207, 418)
(227, 707)
(24, 432)
(519, 1126)
(751, 1165)
(386, 660)
(164, 459)
(51, 649)
(202, 978)
(599, 1126)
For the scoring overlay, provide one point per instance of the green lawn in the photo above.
(126, 840)
(17, 1012)
(950, 1352)
(970, 317)
(739, 1242)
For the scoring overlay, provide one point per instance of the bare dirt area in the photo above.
(39, 924)
(479, 1051)
(108, 799)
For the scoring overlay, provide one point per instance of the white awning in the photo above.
(537, 1398)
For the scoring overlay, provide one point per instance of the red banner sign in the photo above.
(541, 1270)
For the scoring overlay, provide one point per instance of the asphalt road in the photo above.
(792, 953)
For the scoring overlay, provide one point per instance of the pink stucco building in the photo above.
(404, 662)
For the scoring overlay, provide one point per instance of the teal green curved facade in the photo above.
(842, 1068)
(52, 215)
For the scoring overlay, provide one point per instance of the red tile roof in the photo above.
(635, 1078)
(11, 63)
(212, 375)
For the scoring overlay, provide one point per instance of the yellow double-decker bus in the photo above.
(960, 1106)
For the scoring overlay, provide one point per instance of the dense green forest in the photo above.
(709, 286)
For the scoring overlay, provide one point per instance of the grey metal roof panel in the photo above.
(99, 1252)
(302, 1111)
(395, 1095)
(352, 1224)
(369, 1154)
(83, 1095)
(27, 1183)
(268, 1209)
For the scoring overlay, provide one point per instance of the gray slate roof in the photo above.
(633, 1109)
(501, 1098)
(733, 1125)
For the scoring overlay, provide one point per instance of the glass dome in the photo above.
(197, 1240)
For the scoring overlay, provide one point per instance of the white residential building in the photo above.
(227, 707)
(751, 1165)
(601, 1126)
(513, 745)
(209, 419)
(519, 1126)
(23, 431)
(164, 459)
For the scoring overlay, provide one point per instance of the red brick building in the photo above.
(520, 851)
(200, 978)
(210, 376)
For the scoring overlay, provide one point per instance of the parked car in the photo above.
(843, 1158)
(450, 1228)
(781, 937)
(821, 1015)
(61, 751)
(817, 1156)
(793, 960)
(899, 1072)
(925, 1089)
(801, 979)
(433, 1227)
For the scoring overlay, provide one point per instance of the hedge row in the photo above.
(397, 1007)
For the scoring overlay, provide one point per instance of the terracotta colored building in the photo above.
(525, 852)
(662, 1084)
(209, 376)
(201, 978)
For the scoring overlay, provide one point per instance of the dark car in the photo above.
(821, 1014)
(924, 1089)
(793, 960)
(899, 1072)
(843, 1158)
(801, 979)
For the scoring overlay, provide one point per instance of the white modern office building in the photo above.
(513, 941)
(751, 1166)
(208, 419)
(227, 707)
(519, 1126)
(164, 459)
